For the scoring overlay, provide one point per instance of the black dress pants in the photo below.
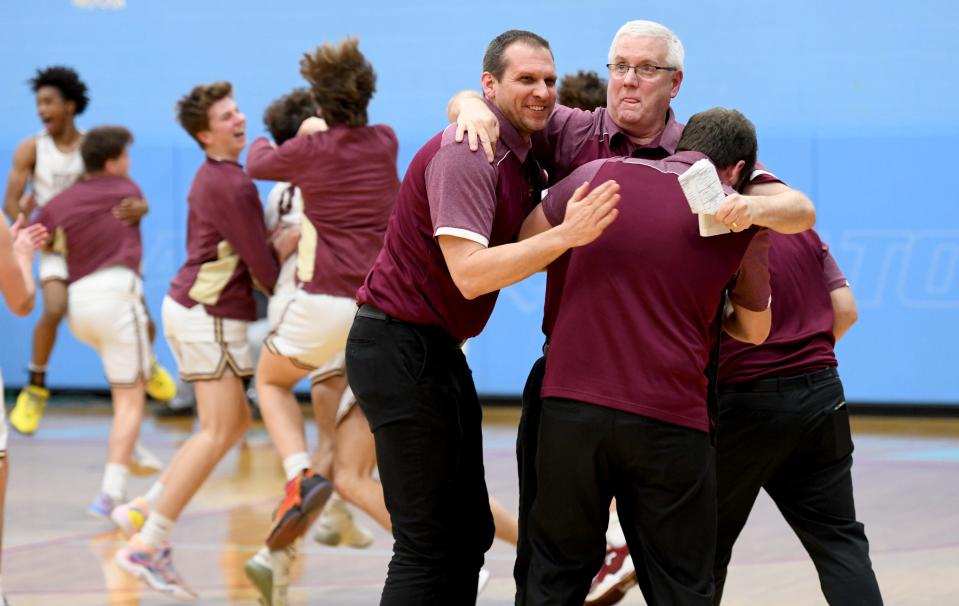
(663, 478)
(415, 388)
(526, 439)
(791, 437)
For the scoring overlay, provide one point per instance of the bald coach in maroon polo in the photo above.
(625, 396)
(450, 246)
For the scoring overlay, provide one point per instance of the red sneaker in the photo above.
(306, 494)
(615, 578)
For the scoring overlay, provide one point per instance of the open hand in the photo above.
(587, 215)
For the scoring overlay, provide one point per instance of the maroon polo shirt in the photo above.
(226, 244)
(84, 230)
(574, 137)
(348, 179)
(450, 190)
(802, 274)
(633, 320)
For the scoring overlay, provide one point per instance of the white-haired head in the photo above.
(650, 29)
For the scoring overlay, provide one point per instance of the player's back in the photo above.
(85, 230)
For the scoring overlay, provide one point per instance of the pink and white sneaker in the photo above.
(155, 568)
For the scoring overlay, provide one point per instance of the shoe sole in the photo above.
(615, 593)
(141, 573)
(296, 522)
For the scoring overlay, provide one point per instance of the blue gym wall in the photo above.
(854, 101)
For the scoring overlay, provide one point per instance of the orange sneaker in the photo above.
(306, 494)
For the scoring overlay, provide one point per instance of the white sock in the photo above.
(156, 530)
(263, 557)
(294, 464)
(614, 534)
(115, 481)
(153, 494)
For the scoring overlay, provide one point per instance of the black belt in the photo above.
(368, 311)
(781, 383)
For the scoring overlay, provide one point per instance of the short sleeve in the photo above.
(461, 188)
(834, 276)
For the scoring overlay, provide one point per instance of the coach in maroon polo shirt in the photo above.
(783, 424)
(624, 397)
(450, 246)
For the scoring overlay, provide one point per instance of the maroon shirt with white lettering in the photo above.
(224, 207)
(802, 274)
(450, 190)
(348, 179)
(635, 315)
(93, 237)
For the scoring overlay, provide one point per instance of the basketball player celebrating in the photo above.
(103, 257)
(347, 175)
(205, 316)
(50, 162)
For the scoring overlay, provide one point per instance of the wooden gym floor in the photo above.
(905, 472)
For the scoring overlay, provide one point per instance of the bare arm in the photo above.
(17, 248)
(24, 159)
(477, 270)
(746, 325)
(845, 311)
(468, 110)
(772, 205)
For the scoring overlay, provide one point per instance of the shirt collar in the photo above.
(509, 138)
(667, 139)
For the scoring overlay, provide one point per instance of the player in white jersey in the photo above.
(50, 162)
(17, 247)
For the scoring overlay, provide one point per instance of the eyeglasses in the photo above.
(646, 71)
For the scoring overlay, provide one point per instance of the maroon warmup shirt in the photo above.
(84, 230)
(802, 274)
(226, 242)
(633, 324)
(450, 190)
(348, 179)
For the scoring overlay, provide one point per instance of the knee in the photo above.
(226, 434)
(347, 482)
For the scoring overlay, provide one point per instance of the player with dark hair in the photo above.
(107, 312)
(50, 162)
(582, 90)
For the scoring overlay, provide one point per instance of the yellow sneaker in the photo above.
(161, 385)
(25, 416)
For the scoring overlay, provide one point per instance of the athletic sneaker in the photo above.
(155, 568)
(129, 517)
(102, 507)
(336, 526)
(306, 494)
(260, 571)
(161, 385)
(25, 416)
(143, 462)
(615, 578)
